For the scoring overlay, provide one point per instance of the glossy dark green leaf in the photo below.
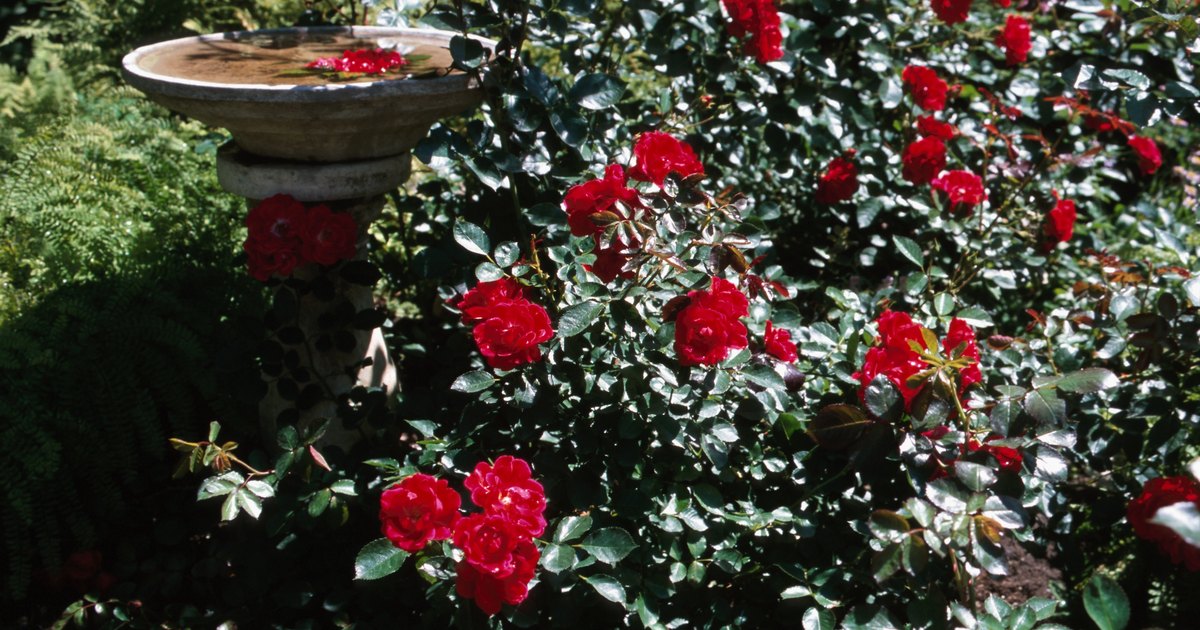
(379, 558)
(1106, 603)
(609, 545)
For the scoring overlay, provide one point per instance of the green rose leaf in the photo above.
(1106, 603)
(379, 558)
(609, 545)
(575, 319)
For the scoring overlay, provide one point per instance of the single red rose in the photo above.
(1003, 3)
(328, 237)
(723, 296)
(707, 329)
(489, 542)
(779, 343)
(928, 91)
(1148, 156)
(599, 195)
(1157, 494)
(951, 11)
(610, 262)
(960, 333)
(1009, 459)
(510, 334)
(923, 160)
(760, 20)
(1059, 225)
(838, 182)
(417, 510)
(964, 189)
(491, 593)
(659, 154)
(507, 488)
(275, 235)
(928, 126)
(1015, 40)
(477, 302)
(366, 61)
(893, 357)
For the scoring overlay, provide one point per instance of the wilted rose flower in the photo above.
(584, 201)
(838, 182)
(1059, 225)
(951, 11)
(923, 160)
(329, 237)
(1148, 156)
(928, 91)
(1015, 40)
(610, 262)
(659, 154)
(417, 510)
(779, 343)
(964, 189)
(490, 592)
(1157, 494)
(366, 61)
(510, 333)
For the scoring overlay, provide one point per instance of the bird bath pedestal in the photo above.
(342, 140)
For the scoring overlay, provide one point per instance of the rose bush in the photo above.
(697, 290)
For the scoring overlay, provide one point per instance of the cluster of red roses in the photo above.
(364, 61)
(760, 20)
(508, 326)
(499, 557)
(1157, 494)
(595, 205)
(284, 233)
(895, 358)
(708, 326)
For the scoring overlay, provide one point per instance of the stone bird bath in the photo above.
(343, 142)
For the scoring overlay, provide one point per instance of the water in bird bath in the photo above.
(266, 58)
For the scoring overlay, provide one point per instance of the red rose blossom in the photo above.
(930, 127)
(838, 182)
(491, 593)
(659, 154)
(510, 333)
(760, 20)
(1060, 224)
(779, 343)
(951, 11)
(417, 510)
(963, 188)
(329, 237)
(598, 195)
(477, 302)
(508, 489)
(1148, 156)
(366, 61)
(275, 236)
(707, 329)
(1015, 40)
(928, 91)
(923, 160)
(610, 261)
(959, 333)
(1157, 494)
(489, 542)
(894, 358)
(1003, 3)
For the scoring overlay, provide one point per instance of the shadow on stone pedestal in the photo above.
(327, 357)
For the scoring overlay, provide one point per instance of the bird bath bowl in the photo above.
(253, 84)
(341, 139)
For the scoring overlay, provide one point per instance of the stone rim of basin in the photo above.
(179, 87)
